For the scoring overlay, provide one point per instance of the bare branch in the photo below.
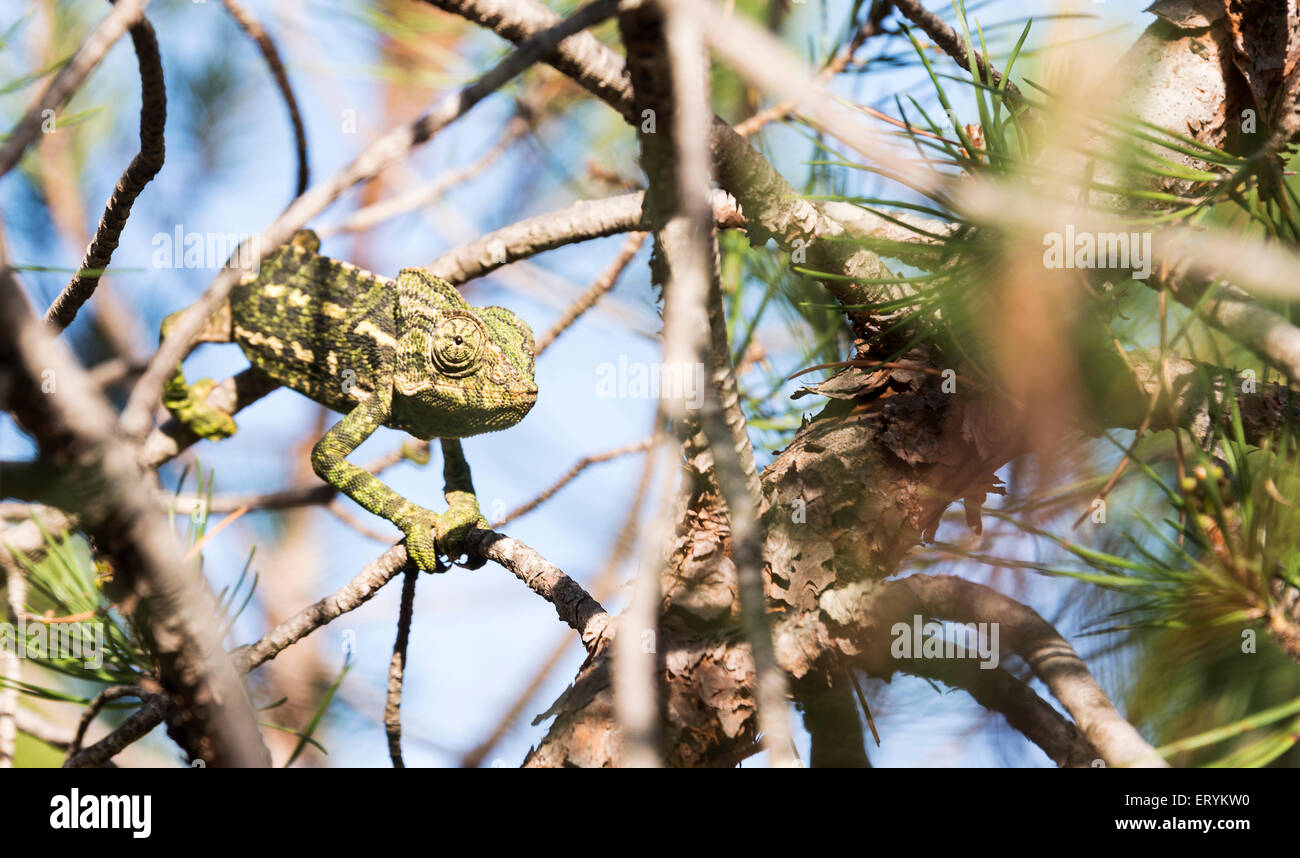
(351, 596)
(599, 287)
(397, 666)
(582, 221)
(572, 603)
(572, 474)
(108, 695)
(143, 167)
(131, 730)
(582, 57)
(426, 195)
(954, 46)
(1048, 654)
(124, 14)
(250, 25)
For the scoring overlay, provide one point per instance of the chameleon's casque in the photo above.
(408, 353)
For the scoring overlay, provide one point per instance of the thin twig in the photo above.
(571, 474)
(397, 666)
(108, 695)
(580, 221)
(351, 596)
(873, 26)
(862, 701)
(143, 167)
(599, 287)
(131, 730)
(250, 25)
(115, 24)
(428, 194)
(954, 46)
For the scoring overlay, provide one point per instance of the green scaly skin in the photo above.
(408, 353)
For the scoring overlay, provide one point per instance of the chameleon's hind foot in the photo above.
(189, 404)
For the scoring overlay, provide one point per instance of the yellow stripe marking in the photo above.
(256, 338)
(369, 329)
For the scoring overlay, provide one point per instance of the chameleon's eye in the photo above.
(457, 345)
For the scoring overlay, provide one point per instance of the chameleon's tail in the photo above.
(188, 403)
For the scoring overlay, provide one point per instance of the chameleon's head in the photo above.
(461, 370)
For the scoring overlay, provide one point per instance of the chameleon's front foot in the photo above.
(189, 404)
(421, 541)
(430, 536)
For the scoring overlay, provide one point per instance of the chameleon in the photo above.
(409, 354)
